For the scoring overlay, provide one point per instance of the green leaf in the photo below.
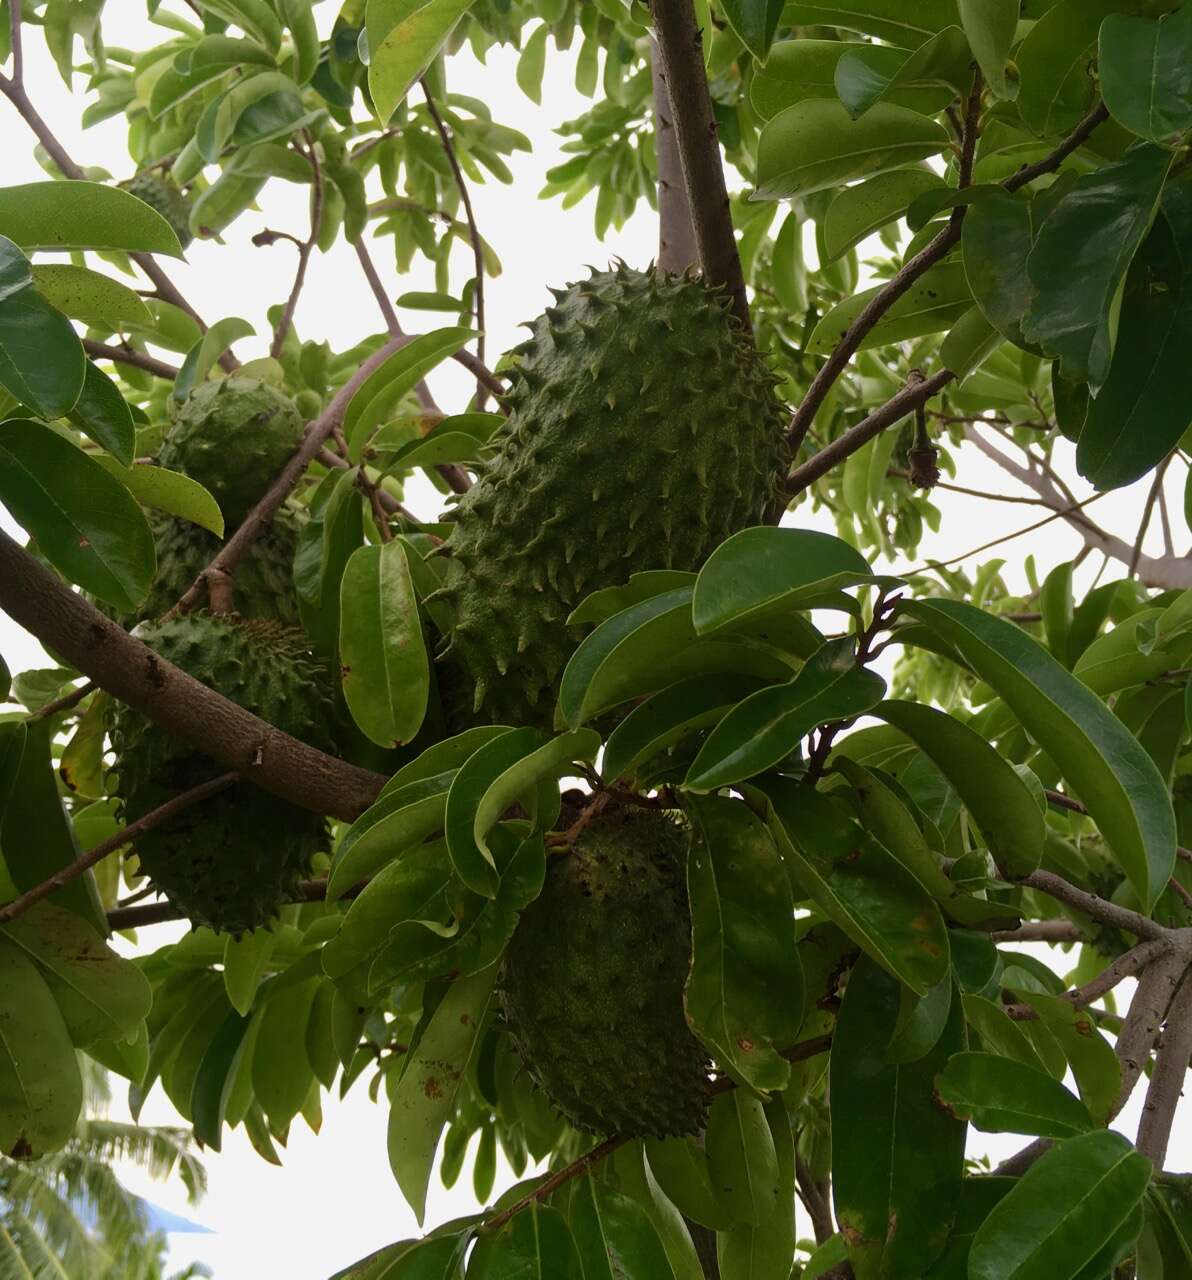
(768, 725)
(85, 522)
(324, 546)
(41, 357)
(100, 994)
(376, 397)
(532, 64)
(860, 210)
(1080, 258)
(1000, 1095)
(932, 304)
(858, 884)
(680, 1168)
(1063, 1209)
(41, 1091)
(102, 413)
(36, 835)
(944, 58)
(755, 21)
(744, 993)
(669, 716)
(814, 145)
(201, 358)
(1054, 86)
(404, 36)
(383, 659)
(1144, 68)
(281, 1074)
(1102, 760)
(426, 1094)
(87, 295)
(1093, 1062)
(472, 860)
(970, 342)
(990, 26)
(15, 272)
(742, 1158)
(891, 20)
(766, 571)
(992, 790)
(245, 963)
(1143, 409)
(749, 1252)
(995, 243)
(219, 1066)
(83, 215)
(601, 605)
(897, 1157)
(169, 491)
(614, 1235)
(255, 18)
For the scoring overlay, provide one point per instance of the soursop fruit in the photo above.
(230, 861)
(233, 436)
(163, 195)
(264, 574)
(592, 981)
(643, 430)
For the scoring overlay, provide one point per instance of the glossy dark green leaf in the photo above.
(999, 1095)
(168, 491)
(644, 585)
(535, 1245)
(16, 273)
(897, 1158)
(748, 1252)
(1145, 66)
(992, 791)
(742, 1158)
(990, 26)
(36, 835)
(281, 1074)
(383, 658)
(324, 546)
(1091, 1058)
(1080, 258)
(85, 522)
(69, 214)
(1145, 406)
(103, 415)
(921, 1022)
(212, 1087)
(614, 1235)
(860, 210)
(765, 571)
(41, 1090)
(1062, 1211)
(996, 241)
(858, 884)
(814, 145)
(680, 1167)
(768, 725)
(744, 993)
(942, 59)
(1102, 760)
(41, 358)
(1054, 85)
(755, 21)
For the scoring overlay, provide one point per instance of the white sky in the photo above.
(335, 1200)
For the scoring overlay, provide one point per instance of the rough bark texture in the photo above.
(677, 250)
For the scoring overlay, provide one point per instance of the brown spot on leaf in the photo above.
(432, 1088)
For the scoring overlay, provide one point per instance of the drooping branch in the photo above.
(681, 69)
(207, 721)
(312, 442)
(84, 862)
(677, 250)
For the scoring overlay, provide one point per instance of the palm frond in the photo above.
(159, 1151)
(26, 1190)
(36, 1256)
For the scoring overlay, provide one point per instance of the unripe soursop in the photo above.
(232, 859)
(643, 430)
(163, 195)
(233, 436)
(592, 983)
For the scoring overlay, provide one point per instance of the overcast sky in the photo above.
(334, 1200)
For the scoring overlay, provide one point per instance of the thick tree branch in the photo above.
(1051, 931)
(1156, 986)
(305, 248)
(677, 250)
(1167, 1079)
(127, 668)
(312, 442)
(163, 813)
(681, 68)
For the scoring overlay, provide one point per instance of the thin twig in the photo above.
(378, 289)
(897, 473)
(129, 356)
(155, 818)
(473, 233)
(68, 700)
(1051, 931)
(1127, 965)
(305, 248)
(316, 434)
(1100, 909)
(1148, 510)
(1049, 163)
(814, 1201)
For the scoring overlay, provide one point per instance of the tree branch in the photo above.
(305, 248)
(681, 69)
(129, 356)
(473, 233)
(1127, 965)
(1049, 163)
(1051, 931)
(65, 703)
(312, 442)
(677, 250)
(814, 1201)
(1156, 986)
(1167, 1079)
(127, 668)
(163, 813)
(1099, 909)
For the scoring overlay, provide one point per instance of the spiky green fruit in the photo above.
(592, 984)
(264, 574)
(233, 436)
(231, 860)
(164, 196)
(643, 430)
